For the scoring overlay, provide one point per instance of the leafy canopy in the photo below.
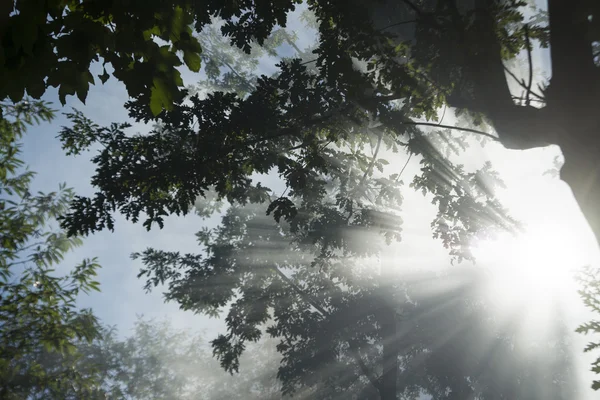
(304, 271)
(37, 308)
(53, 44)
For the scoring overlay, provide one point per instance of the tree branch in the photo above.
(522, 84)
(517, 127)
(413, 7)
(363, 367)
(458, 128)
(373, 159)
(305, 296)
(412, 21)
(528, 46)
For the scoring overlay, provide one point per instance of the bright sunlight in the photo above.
(532, 272)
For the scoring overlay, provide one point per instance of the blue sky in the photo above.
(543, 202)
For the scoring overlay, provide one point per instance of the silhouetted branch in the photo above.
(412, 21)
(309, 61)
(523, 84)
(404, 167)
(521, 98)
(413, 7)
(528, 45)
(457, 128)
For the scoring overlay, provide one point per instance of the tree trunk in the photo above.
(581, 171)
(572, 100)
(570, 118)
(388, 386)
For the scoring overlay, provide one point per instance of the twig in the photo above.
(412, 6)
(528, 44)
(404, 167)
(443, 115)
(412, 21)
(457, 128)
(309, 61)
(523, 84)
(521, 99)
(373, 159)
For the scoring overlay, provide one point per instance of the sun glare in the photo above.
(537, 259)
(531, 274)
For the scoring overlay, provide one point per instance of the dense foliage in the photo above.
(156, 361)
(312, 273)
(333, 127)
(53, 44)
(37, 307)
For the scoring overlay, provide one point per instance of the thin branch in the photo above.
(457, 128)
(528, 44)
(523, 84)
(521, 99)
(373, 159)
(413, 7)
(238, 75)
(443, 115)
(363, 367)
(305, 296)
(412, 21)
(404, 167)
(302, 145)
(29, 246)
(309, 61)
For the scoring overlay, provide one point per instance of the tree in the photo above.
(313, 127)
(345, 329)
(37, 307)
(333, 197)
(418, 68)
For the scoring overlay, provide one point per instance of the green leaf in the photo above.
(192, 60)
(160, 97)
